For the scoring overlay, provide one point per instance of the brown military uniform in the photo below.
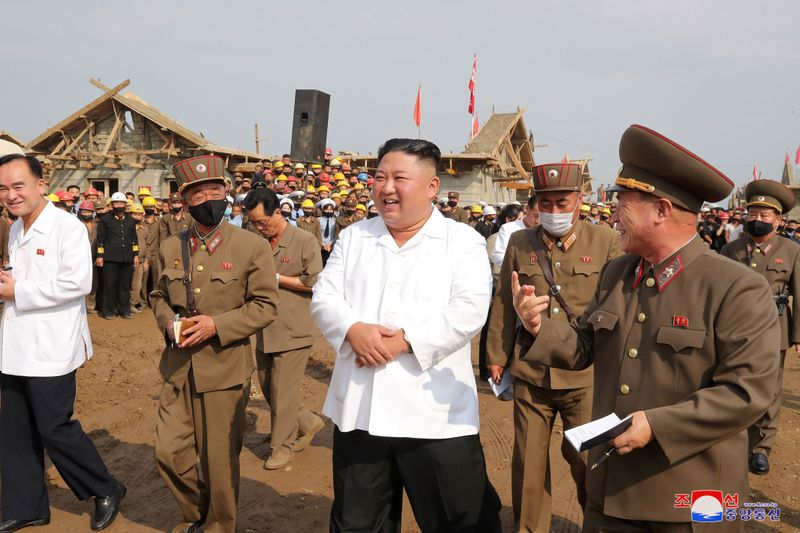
(311, 225)
(201, 412)
(283, 348)
(541, 392)
(778, 260)
(153, 242)
(459, 214)
(342, 221)
(678, 341)
(171, 225)
(139, 281)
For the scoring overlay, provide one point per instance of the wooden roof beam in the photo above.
(82, 111)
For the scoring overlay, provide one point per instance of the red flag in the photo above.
(471, 108)
(787, 157)
(755, 172)
(418, 107)
(797, 156)
(474, 125)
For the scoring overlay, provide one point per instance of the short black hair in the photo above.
(422, 149)
(73, 187)
(532, 201)
(262, 196)
(286, 155)
(34, 165)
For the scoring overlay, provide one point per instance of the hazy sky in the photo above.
(720, 77)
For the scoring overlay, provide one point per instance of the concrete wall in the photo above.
(129, 180)
(475, 186)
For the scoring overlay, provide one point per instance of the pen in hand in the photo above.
(603, 459)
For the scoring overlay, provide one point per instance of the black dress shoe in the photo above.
(106, 509)
(107, 317)
(759, 464)
(16, 525)
(126, 317)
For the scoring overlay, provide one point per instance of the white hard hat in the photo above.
(119, 197)
(8, 148)
(489, 210)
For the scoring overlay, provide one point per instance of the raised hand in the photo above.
(528, 306)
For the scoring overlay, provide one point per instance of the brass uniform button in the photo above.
(203, 247)
(556, 310)
(197, 291)
(641, 317)
(558, 264)
(650, 282)
(753, 265)
(758, 250)
(199, 268)
(633, 353)
(624, 389)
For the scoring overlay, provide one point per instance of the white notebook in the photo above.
(597, 431)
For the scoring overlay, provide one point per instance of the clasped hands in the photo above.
(375, 345)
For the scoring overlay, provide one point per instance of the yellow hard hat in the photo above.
(335, 163)
(136, 208)
(362, 207)
(316, 166)
(338, 177)
(149, 201)
(358, 187)
(53, 198)
(310, 188)
(307, 204)
(144, 191)
(336, 195)
(607, 211)
(341, 184)
(299, 166)
(324, 188)
(585, 208)
(477, 209)
(281, 178)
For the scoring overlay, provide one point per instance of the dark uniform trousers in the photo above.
(36, 415)
(117, 277)
(439, 476)
(182, 436)
(762, 434)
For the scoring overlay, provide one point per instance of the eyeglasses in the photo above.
(261, 224)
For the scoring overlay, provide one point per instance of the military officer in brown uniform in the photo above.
(459, 214)
(176, 221)
(564, 256)
(778, 260)
(674, 342)
(220, 281)
(283, 348)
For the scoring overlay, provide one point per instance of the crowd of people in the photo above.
(628, 304)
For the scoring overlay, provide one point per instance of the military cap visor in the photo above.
(654, 164)
(768, 193)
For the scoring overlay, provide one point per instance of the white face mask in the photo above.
(556, 224)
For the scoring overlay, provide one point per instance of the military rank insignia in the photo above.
(586, 259)
(778, 261)
(285, 260)
(227, 266)
(533, 259)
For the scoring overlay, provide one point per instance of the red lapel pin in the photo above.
(227, 266)
(39, 251)
(680, 321)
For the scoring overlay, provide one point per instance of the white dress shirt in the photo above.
(506, 230)
(44, 331)
(437, 288)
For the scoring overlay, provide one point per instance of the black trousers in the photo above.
(445, 480)
(117, 288)
(36, 415)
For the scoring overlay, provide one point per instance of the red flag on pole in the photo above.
(471, 108)
(787, 157)
(475, 127)
(797, 156)
(418, 107)
(755, 171)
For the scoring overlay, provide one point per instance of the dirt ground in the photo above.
(117, 400)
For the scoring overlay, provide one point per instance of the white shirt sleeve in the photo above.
(73, 280)
(330, 310)
(442, 334)
(501, 243)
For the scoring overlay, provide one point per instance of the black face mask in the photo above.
(176, 210)
(327, 214)
(757, 228)
(349, 212)
(210, 212)
(372, 215)
(286, 214)
(149, 211)
(76, 198)
(85, 218)
(452, 203)
(119, 210)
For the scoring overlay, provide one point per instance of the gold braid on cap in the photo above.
(630, 183)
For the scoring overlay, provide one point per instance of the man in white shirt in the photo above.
(530, 220)
(400, 299)
(44, 338)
